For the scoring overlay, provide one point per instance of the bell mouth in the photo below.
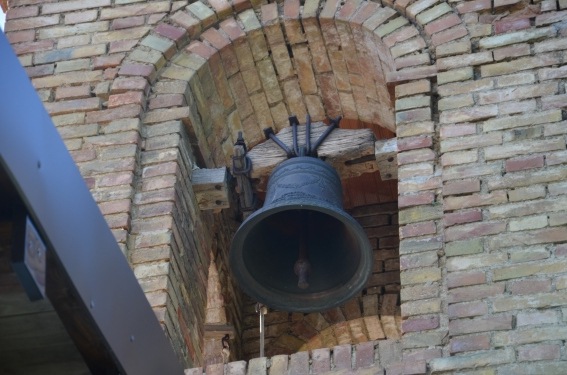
(265, 250)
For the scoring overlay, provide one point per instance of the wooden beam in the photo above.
(211, 188)
(349, 151)
(386, 151)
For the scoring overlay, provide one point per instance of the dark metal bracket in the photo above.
(242, 165)
(307, 149)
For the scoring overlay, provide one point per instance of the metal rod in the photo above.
(308, 136)
(261, 310)
(293, 122)
(269, 133)
(330, 128)
(302, 266)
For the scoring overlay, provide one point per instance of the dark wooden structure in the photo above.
(89, 286)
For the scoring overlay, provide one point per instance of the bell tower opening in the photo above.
(373, 313)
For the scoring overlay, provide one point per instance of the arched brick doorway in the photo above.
(247, 70)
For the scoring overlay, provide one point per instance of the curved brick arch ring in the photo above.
(248, 69)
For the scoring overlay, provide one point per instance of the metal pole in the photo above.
(261, 310)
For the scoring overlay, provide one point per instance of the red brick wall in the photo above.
(474, 90)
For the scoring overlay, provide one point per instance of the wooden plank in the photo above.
(17, 303)
(350, 151)
(211, 188)
(386, 152)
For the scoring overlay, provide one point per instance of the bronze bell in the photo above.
(301, 251)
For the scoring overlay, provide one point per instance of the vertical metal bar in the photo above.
(261, 310)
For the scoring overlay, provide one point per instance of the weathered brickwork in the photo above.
(143, 92)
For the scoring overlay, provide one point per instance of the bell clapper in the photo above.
(302, 266)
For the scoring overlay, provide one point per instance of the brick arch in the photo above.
(281, 63)
(215, 72)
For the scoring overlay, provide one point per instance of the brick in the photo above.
(423, 259)
(475, 200)
(114, 114)
(529, 286)
(516, 50)
(518, 93)
(29, 47)
(467, 247)
(69, 53)
(513, 66)
(441, 24)
(410, 74)
(175, 34)
(70, 106)
(463, 263)
(539, 236)
(451, 131)
(321, 360)
(412, 88)
(126, 23)
(476, 291)
(528, 336)
(188, 22)
(514, 180)
(418, 292)
(455, 75)
(420, 276)
(516, 37)
(523, 147)
(81, 17)
(530, 254)
(75, 92)
(147, 56)
(466, 278)
(537, 318)
(416, 199)
(123, 84)
(519, 164)
(461, 61)
(461, 187)
(470, 171)
(419, 6)
(420, 324)
(467, 309)
(469, 114)
(68, 6)
(464, 231)
(474, 6)
(20, 24)
(134, 10)
(459, 157)
(412, 308)
(491, 358)
(476, 325)
(527, 193)
(539, 352)
(415, 246)
(40, 71)
(456, 218)
(141, 70)
(527, 269)
(469, 343)
(473, 141)
(465, 87)
(412, 143)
